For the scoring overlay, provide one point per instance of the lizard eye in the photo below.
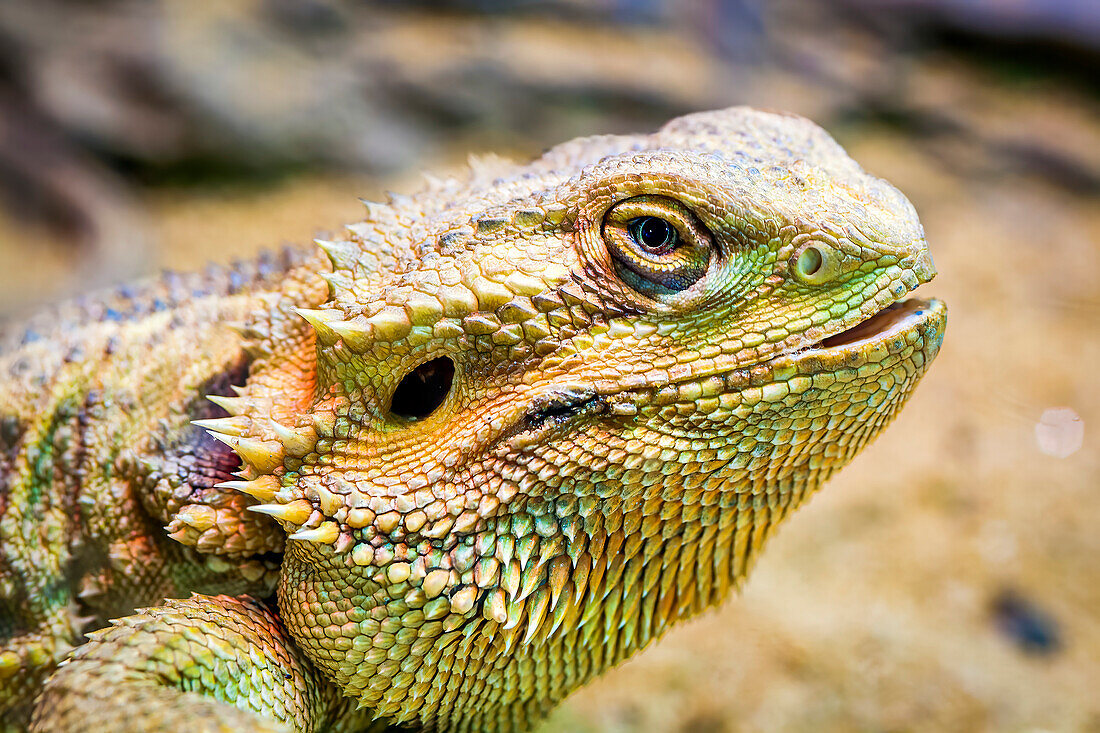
(657, 246)
(654, 235)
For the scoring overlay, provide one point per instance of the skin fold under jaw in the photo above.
(508, 430)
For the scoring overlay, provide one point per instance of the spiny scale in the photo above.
(262, 455)
(326, 534)
(295, 514)
(261, 489)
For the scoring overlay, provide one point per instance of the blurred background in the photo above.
(950, 578)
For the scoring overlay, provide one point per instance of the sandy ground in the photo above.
(875, 608)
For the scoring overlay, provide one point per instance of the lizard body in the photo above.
(500, 436)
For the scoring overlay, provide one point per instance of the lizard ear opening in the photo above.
(423, 389)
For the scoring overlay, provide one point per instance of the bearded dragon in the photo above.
(439, 472)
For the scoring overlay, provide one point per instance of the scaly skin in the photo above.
(616, 431)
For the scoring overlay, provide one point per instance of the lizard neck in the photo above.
(522, 612)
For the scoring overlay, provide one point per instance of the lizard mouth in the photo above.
(894, 317)
(889, 328)
(894, 331)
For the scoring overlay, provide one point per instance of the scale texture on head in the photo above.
(508, 430)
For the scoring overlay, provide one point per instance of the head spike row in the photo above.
(525, 547)
(336, 281)
(262, 455)
(232, 405)
(530, 580)
(357, 336)
(319, 320)
(376, 210)
(486, 164)
(331, 327)
(359, 231)
(296, 441)
(247, 331)
(326, 534)
(256, 350)
(463, 600)
(398, 200)
(328, 502)
(434, 182)
(341, 254)
(197, 516)
(295, 514)
(515, 614)
(237, 425)
(390, 324)
(510, 577)
(261, 489)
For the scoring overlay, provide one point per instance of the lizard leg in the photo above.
(201, 664)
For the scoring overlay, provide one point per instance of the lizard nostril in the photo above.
(815, 264)
(423, 389)
(809, 262)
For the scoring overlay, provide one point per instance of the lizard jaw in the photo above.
(886, 333)
(894, 320)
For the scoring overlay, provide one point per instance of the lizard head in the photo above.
(547, 410)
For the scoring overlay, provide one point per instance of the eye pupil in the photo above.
(653, 233)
